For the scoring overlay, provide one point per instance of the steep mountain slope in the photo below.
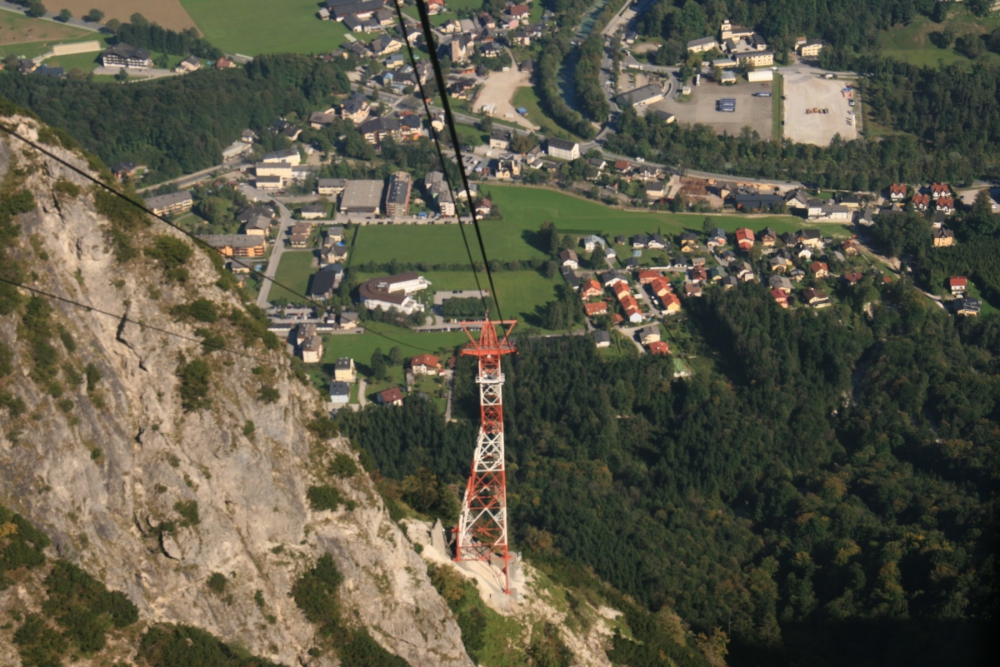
(153, 464)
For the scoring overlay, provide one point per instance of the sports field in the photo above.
(252, 27)
(168, 13)
(439, 244)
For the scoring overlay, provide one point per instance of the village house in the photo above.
(391, 396)
(811, 48)
(330, 186)
(943, 238)
(703, 44)
(671, 304)
(689, 242)
(647, 276)
(957, 285)
(563, 149)
(780, 297)
(897, 192)
(171, 203)
(968, 306)
(921, 201)
(744, 238)
(716, 238)
(819, 269)
(650, 334)
(130, 57)
(768, 237)
(393, 292)
(660, 287)
(692, 289)
(939, 190)
(602, 339)
(591, 242)
(659, 347)
(570, 259)
(656, 242)
(312, 350)
(780, 283)
(236, 245)
(344, 370)
(594, 309)
(425, 364)
(591, 288)
(340, 394)
(815, 298)
(945, 205)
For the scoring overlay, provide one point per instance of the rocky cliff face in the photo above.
(102, 471)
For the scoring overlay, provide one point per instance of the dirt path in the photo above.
(498, 90)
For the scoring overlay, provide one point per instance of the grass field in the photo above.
(252, 27)
(521, 292)
(294, 270)
(360, 347)
(912, 42)
(524, 209)
(18, 29)
(527, 98)
(168, 13)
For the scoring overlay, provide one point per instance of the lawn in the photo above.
(85, 62)
(523, 210)
(263, 26)
(912, 43)
(527, 98)
(521, 292)
(439, 244)
(295, 270)
(360, 347)
(526, 208)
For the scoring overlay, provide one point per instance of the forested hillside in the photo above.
(178, 125)
(833, 474)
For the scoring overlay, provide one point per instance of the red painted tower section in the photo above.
(482, 526)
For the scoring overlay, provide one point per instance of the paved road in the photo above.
(285, 221)
(54, 17)
(142, 74)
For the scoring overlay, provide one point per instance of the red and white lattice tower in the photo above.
(482, 526)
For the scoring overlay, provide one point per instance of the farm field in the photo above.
(32, 37)
(252, 27)
(912, 43)
(295, 269)
(168, 13)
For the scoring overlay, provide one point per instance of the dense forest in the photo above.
(179, 125)
(825, 475)
(947, 124)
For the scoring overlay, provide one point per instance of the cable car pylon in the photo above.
(481, 534)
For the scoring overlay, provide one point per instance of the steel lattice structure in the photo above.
(482, 526)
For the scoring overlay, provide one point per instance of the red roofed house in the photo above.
(520, 12)
(621, 289)
(590, 288)
(425, 364)
(660, 287)
(599, 308)
(851, 247)
(647, 276)
(897, 192)
(820, 269)
(939, 190)
(780, 297)
(618, 319)
(744, 238)
(435, 7)
(945, 204)
(815, 298)
(852, 278)
(224, 63)
(391, 396)
(671, 303)
(958, 284)
(622, 165)
(659, 347)
(692, 289)
(920, 202)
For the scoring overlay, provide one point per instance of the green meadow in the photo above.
(252, 27)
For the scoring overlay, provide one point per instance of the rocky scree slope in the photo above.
(152, 498)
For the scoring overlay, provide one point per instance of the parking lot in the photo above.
(750, 111)
(810, 91)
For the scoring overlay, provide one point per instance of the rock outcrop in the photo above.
(153, 499)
